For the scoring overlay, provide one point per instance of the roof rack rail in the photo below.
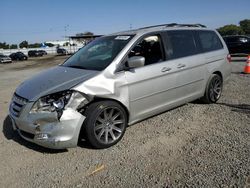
(188, 25)
(175, 25)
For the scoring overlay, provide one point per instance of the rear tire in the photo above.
(105, 123)
(213, 89)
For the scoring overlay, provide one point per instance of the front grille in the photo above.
(17, 104)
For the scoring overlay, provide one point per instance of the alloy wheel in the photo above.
(109, 125)
(215, 89)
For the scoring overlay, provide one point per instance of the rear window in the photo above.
(209, 41)
(180, 43)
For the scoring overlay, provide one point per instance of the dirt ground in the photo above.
(195, 145)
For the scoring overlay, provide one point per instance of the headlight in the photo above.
(57, 102)
(52, 102)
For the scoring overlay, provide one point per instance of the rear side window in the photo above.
(180, 43)
(209, 41)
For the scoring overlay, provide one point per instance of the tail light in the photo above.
(229, 59)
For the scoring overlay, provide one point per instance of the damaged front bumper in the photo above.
(45, 129)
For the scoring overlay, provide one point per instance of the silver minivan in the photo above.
(118, 80)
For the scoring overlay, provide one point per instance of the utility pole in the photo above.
(65, 31)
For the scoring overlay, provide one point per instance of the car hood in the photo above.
(53, 80)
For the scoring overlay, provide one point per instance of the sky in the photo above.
(44, 20)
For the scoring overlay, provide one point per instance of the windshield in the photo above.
(98, 54)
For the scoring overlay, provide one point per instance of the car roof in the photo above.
(162, 27)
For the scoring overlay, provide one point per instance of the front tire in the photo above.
(213, 89)
(105, 123)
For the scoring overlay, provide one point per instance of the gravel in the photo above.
(195, 145)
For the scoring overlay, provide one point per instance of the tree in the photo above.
(13, 46)
(66, 44)
(230, 30)
(245, 25)
(87, 37)
(87, 33)
(35, 45)
(3, 45)
(24, 44)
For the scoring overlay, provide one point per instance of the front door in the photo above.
(151, 87)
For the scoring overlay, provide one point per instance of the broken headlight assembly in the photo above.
(57, 102)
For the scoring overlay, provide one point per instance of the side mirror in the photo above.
(136, 61)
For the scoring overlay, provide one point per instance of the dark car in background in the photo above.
(238, 44)
(35, 53)
(42, 52)
(62, 51)
(18, 56)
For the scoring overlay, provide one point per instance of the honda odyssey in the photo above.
(118, 80)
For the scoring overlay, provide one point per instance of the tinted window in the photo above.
(231, 39)
(150, 48)
(180, 44)
(236, 39)
(209, 41)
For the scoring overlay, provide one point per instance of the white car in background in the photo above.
(5, 59)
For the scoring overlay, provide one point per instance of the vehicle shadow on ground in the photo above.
(82, 142)
(237, 72)
(241, 73)
(241, 108)
(10, 134)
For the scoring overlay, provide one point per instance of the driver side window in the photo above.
(150, 48)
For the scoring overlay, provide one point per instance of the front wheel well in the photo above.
(90, 111)
(97, 99)
(94, 100)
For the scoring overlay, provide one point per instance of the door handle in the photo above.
(165, 69)
(181, 66)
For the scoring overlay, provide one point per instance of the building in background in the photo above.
(82, 39)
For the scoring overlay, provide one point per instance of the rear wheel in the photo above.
(213, 89)
(105, 123)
